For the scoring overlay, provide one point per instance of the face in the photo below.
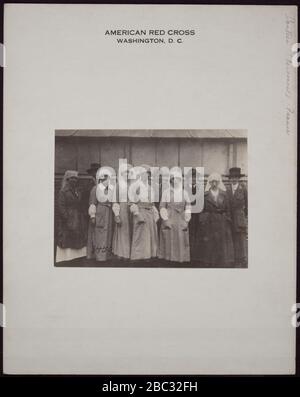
(105, 180)
(145, 177)
(234, 180)
(73, 181)
(176, 182)
(125, 175)
(131, 175)
(214, 184)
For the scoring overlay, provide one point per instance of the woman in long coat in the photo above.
(71, 241)
(174, 232)
(144, 243)
(215, 247)
(121, 244)
(101, 217)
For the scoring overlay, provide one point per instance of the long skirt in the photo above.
(144, 243)
(193, 236)
(215, 247)
(174, 242)
(122, 234)
(68, 254)
(99, 245)
(240, 248)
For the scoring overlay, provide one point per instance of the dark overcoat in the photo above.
(238, 202)
(214, 235)
(71, 222)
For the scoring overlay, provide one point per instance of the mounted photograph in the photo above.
(151, 198)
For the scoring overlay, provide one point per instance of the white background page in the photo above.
(62, 72)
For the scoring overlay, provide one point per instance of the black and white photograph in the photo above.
(152, 229)
(192, 208)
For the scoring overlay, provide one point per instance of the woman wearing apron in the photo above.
(101, 217)
(144, 243)
(176, 214)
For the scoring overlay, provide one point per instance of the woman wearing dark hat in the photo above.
(94, 167)
(91, 181)
(92, 171)
(71, 235)
(238, 202)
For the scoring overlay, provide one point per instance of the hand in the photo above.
(185, 226)
(140, 219)
(187, 217)
(167, 225)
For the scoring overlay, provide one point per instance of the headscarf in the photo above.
(138, 172)
(176, 173)
(68, 174)
(100, 189)
(123, 182)
(142, 169)
(103, 171)
(121, 179)
(215, 177)
(146, 166)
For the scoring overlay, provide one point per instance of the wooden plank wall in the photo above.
(215, 155)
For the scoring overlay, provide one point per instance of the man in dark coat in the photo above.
(238, 201)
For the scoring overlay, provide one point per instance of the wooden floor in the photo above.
(156, 263)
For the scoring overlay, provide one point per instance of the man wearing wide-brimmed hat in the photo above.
(238, 200)
(93, 169)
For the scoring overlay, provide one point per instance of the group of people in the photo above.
(96, 224)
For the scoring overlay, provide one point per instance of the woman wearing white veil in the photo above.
(215, 247)
(215, 183)
(175, 212)
(121, 243)
(100, 231)
(144, 244)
